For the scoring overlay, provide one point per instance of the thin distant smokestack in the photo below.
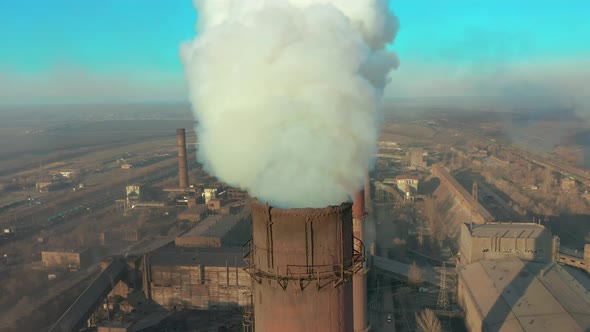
(358, 206)
(182, 163)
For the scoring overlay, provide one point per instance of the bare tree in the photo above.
(428, 322)
(437, 220)
(548, 180)
(415, 274)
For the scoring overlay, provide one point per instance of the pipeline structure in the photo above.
(75, 317)
(182, 161)
(302, 262)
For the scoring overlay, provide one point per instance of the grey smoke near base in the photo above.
(287, 94)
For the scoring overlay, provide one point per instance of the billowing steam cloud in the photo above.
(286, 94)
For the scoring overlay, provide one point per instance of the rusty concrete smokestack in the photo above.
(182, 162)
(302, 263)
(359, 280)
(358, 207)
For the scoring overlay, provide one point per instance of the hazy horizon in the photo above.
(119, 52)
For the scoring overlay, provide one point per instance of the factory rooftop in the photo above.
(182, 256)
(506, 230)
(512, 295)
(66, 250)
(213, 226)
(195, 213)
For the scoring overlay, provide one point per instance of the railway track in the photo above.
(47, 217)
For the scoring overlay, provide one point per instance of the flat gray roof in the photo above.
(524, 296)
(508, 230)
(183, 256)
(195, 210)
(213, 226)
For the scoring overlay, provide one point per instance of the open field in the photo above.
(94, 143)
(40, 136)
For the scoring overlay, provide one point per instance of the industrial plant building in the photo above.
(527, 241)
(217, 231)
(508, 280)
(65, 259)
(416, 158)
(198, 278)
(194, 214)
(513, 295)
(225, 207)
(285, 269)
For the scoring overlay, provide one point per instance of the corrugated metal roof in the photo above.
(183, 256)
(514, 295)
(507, 230)
(213, 226)
(194, 211)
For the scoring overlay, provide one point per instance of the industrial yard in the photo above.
(130, 233)
(294, 165)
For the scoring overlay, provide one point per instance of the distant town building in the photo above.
(115, 326)
(508, 280)
(209, 193)
(118, 235)
(417, 158)
(214, 204)
(389, 181)
(133, 192)
(527, 241)
(65, 259)
(43, 184)
(388, 145)
(494, 161)
(199, 278)
(477, 153)
(408, 184)
(68, 174)
(194, 214)
(237, 194)
(217, 231)
(568, 184)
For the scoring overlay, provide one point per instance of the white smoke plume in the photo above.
(286, 94)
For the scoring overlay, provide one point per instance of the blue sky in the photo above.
(114, 50)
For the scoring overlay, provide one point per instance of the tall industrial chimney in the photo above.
(182, 163)
(359, 280)
(302, 262)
